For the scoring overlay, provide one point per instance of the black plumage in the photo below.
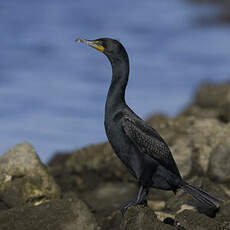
(138, 145)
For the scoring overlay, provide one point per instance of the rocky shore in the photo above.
(84, 189)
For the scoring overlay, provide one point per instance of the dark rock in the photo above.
(168, 127)
(226, 225)
(69, 213)
(224, 213)
(87, 169)
(110, 196)
(200, 112)
(112, 221)
(98, 177)
(100, 162)
(142, 218)
(3, 206)
(58, 160)
(211, 95)
(24, 179)
(157, 198)
(169, 220)
(219, 162)
(159, 121)
(62, 175)
(215, 97)
(196, 221)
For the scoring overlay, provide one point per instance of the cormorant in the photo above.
(142, 150)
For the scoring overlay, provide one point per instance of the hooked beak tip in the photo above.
(78, 40)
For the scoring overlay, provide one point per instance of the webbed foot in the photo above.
(127, 205)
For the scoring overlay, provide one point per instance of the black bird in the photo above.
(138, 145)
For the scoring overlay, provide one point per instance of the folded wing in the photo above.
(149, 142)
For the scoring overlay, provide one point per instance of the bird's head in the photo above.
(113, 49)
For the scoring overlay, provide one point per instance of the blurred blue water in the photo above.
(52, 90)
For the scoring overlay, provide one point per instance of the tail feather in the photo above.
(203, 197)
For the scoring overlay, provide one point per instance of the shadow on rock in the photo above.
(142, 218)
(68, 213)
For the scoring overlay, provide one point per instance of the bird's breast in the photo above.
(124, 148)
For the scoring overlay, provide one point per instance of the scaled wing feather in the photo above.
(148, 141)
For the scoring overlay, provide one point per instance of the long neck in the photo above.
(120, 71)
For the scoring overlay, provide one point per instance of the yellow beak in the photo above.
(94, 44)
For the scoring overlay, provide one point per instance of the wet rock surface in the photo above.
(85, 189)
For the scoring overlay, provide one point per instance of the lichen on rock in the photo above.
(24, 179)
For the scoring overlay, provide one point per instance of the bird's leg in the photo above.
(141, 199)
(144, 197)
